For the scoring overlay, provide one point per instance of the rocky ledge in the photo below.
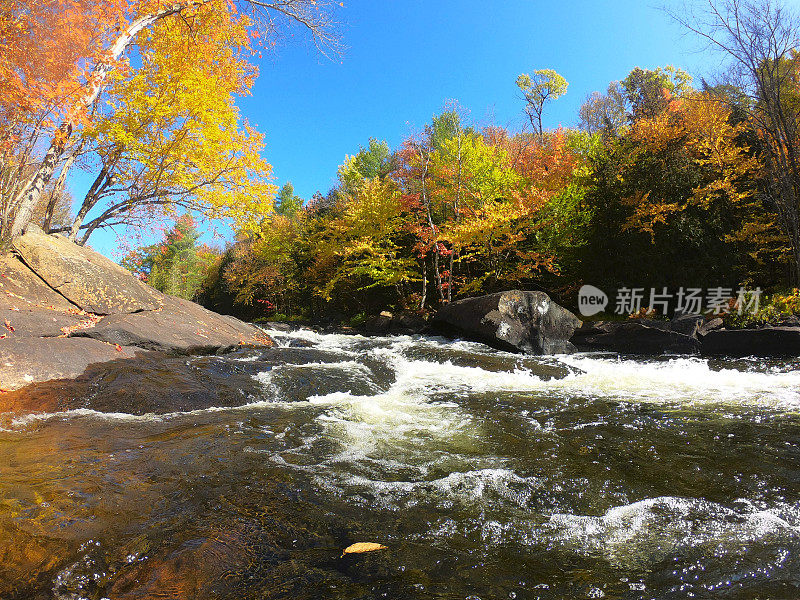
(64, 307)
(688, 334)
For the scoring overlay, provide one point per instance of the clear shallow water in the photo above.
(488, 475)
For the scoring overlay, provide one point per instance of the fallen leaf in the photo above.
(361, 547)
(8, 325)
(118, 347)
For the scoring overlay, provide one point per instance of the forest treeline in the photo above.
(662, 184)
(666, 182)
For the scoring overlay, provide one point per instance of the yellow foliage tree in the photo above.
(170, 138)
(699, 125)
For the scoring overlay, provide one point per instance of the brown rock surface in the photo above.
(21, 288)
(87, 279)
(37, 322)
(180, 326)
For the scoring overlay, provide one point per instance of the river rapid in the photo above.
(487, 475)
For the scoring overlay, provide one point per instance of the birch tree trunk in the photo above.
(58, 189)
(33, 191)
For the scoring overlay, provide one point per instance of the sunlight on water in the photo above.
(661, 476)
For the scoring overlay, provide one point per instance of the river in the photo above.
(487, 475)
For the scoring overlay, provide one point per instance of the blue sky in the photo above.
(404, 59)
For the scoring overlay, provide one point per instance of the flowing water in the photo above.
(487, 475)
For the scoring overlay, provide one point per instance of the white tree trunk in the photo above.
(33, 191)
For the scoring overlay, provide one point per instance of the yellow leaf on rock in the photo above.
(362, 547)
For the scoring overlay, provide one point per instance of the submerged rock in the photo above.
(517, 320)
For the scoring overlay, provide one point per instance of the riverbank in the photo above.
(64, 307)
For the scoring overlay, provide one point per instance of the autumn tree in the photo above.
(647, 92)
(760, 39)
(115, 27)
(42, 47)
(371, 161)
(177, 264)
(170, 139)
(543, 86)
(286, 202)
(604, 113)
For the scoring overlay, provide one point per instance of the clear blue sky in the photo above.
(405, 58)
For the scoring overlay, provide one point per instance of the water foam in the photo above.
(645, 532)
(687, 380)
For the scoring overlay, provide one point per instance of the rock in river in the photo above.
(639, 336)
(64, 307)
(518, 321)
(766, 341)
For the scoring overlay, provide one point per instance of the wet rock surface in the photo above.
(517, 320)
(640, 336)
(26, 360)
(389, 323)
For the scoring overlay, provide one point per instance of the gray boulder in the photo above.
(518, 321)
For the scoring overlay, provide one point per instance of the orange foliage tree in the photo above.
(91, 47)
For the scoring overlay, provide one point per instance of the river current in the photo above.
(487, 475)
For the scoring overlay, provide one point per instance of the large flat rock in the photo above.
(87, 279)
(26, 360)
(21, 288)
(180, 326)
(633, 337)
(520, 321)
(63, 308)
